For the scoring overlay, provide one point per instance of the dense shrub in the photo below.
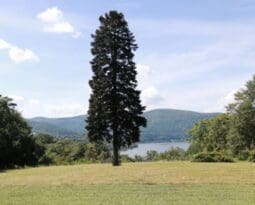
(243, 155)
(252, 156)
(203, 157)
(70, 151)
(151, 155)
(126, 158)
(138, 158)
(211, 157)
(173, 154)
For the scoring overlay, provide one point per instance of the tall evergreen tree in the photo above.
(115, 110)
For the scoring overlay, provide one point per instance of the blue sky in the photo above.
(192, 54)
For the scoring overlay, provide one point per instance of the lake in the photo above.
(159, 147)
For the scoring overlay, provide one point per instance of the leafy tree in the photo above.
(198, 137)
(218, 131)
(233, 131)
(44, 139)
(17, 146)
(242, 135)
(210, 135)
(115, 110)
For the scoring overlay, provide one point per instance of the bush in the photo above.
(211, 157)
(203, 157)
(223, 158)
(173, 154)
(138, 158)
(252, 156)
(126, 158)
(243, 155)
(151, 155)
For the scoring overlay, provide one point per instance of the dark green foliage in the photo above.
(211, 157)
(69, 151)
(242, 135)
(151, 155)
(204, 157)
(126, 158)
(44, 139)
(252, 156)
(233, 132)
(243, 154)
(138, 158)
(115, 110)
(210, 135)
(17, 146)
(173, 154)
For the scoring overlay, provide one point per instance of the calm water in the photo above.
(159, 147)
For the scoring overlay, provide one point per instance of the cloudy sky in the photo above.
(192, 55)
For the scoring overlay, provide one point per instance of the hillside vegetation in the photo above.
(164, 125)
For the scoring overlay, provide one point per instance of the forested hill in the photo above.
(170, 124)
(163, 125)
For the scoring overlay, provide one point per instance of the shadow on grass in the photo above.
(3, 170)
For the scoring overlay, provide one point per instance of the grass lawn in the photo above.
(132, 183)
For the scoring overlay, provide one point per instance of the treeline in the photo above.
(19, 147)
(229, 135)
(56, 151)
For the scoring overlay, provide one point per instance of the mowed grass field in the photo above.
(132, 183)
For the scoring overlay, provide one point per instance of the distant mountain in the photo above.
(170, 125)
(164, 125)
(59, 127)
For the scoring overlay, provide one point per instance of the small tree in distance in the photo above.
(115, 110)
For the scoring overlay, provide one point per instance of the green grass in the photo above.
(132, 183)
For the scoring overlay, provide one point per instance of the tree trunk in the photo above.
(116, 161)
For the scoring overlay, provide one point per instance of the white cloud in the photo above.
(202, 68)
(143, 70)
(204, 79)
(4, 45)
(18, 55)
(28, 107)
(54, 22)
(151, 97)
(51, 15)
(226, 99)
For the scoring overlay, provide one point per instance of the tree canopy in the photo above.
(233, 132)
(17, 147)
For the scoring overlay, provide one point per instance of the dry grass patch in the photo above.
(133, 173)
